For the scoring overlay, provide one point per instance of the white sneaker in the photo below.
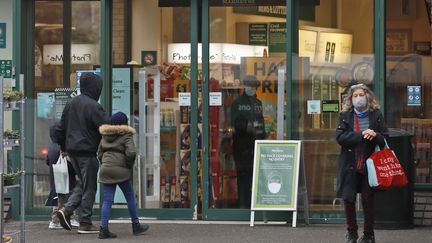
(75, 223)
(53, 225)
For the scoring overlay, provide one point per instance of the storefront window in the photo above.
(246, 78)
(51, 90)
(409, 77)
(335, 51)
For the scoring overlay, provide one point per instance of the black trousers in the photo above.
(84, 191)
(367, 203)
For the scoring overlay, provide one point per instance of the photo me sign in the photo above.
(275, 176)
(219, 53)
(80, 54)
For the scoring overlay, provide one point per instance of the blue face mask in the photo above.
(250, 91)
(359, 102)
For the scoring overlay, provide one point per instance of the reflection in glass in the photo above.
(409, 77)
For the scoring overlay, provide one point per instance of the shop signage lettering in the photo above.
(59, 58)
(276, 10)
(267, 69)
(258, 34)
(80, 54)
(237, 2)
(178, 57)
(219, 53)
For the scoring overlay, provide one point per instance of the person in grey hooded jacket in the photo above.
(79, 137)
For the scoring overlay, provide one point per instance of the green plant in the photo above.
(11, 134)
(12, 95)
(10, 178)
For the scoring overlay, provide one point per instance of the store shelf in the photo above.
(8, 143)
(171, 151)
(6, 108)
(12, 186)
(167, 128)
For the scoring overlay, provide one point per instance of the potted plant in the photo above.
(10, 178)
(11, 135)
(12, 96)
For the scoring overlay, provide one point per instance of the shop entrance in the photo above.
(198, 134)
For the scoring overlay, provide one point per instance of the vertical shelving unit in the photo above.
(7, 143)
(149, 138)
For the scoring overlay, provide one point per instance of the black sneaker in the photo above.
(139, 229)
(367, 238)
(64, 219)
(352, 236)
(87, 228)
(104, 233)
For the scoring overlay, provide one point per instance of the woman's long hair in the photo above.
(373, 103)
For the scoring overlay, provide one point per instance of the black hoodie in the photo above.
(82, 116)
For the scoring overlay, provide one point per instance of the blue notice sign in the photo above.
(414, 95)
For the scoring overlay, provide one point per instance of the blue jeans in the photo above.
(108, 199)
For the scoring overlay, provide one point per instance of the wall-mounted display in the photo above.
(333, 47)
(307, 43)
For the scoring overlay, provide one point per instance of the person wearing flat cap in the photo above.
(248, 122)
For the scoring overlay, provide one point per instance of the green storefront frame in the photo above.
(23, 28)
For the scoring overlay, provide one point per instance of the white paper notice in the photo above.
(184, 99)
(313, 107)
(215, 98)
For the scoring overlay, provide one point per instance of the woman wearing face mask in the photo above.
(361, 126)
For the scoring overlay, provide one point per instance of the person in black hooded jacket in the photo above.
(79, 137)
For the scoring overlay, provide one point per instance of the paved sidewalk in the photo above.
(209, 232)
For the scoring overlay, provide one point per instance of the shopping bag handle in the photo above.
(377, 147)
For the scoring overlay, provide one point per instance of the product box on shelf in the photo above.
(185, 159)
(184, 191)
(168, 139)
(185, 139)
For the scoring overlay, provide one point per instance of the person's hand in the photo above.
(368, 134)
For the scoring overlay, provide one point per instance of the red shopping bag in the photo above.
(384, 169)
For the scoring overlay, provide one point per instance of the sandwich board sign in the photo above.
(275, 177)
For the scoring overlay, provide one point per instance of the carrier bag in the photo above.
(384, 169)
(61, 175)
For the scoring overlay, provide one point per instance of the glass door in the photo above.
(66, 39)
(243, 100)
